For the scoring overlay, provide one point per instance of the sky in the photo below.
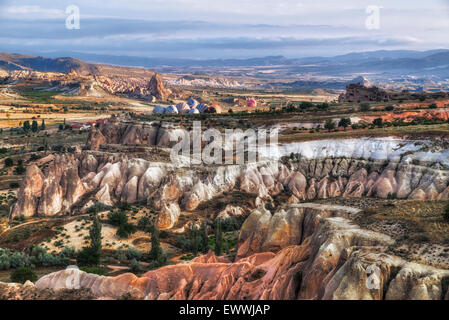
(207, 29)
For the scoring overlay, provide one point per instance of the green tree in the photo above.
(26, 126)
(218, 238)
(344, 122)
(20, 169)
(365, 106)
(34, 126)
(43, 124)
(91, 255)
(446, 213)
(378, 122)
(95, 235)
(195, 240)
(156, 253)
(329, 125)
(9, 162)
(23, 274)
(204, 239)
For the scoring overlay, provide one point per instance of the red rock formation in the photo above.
(326, 259)
(157, 88)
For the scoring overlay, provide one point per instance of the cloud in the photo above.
(31, 11)
(204, 28)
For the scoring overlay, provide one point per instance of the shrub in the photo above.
(14, 185)
(117, 218)
(329, 125)
(125, 230)
(87, 257)
(365, 107)
(135, 266)
(344, 122)
(132, 253)
(20, 169)
(446, 213)
(23, 274)
(145, 224)
(378, 122)
(94, 270)
(9, 162)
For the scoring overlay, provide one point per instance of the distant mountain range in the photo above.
(418, 69)
(12, 61)
(408, 59)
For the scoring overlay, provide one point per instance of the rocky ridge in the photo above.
(300, 252)
(315, 169)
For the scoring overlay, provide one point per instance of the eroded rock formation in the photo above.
(298, 253)
(402, 169)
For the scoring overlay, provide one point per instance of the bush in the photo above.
(446, 214)
(23, 274)
(365, 107)
(135, 266)
(145, 224)
(87, 257)
(9, 162)
(120, 219)
(94, 270)
(117, 218)
(20, 169)
(378, 122)
(132, 253)
(14, 185)
(231, 224)
(125, 230)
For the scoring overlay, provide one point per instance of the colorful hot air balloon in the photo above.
(252, 103)
(217, 108)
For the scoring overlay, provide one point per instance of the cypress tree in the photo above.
(218, 238)
(34, 126)
(95, 237)
(91, 255)
(204, 239)
(156, 252)
(195, 241)
(26, 126)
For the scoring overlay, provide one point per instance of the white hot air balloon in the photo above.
(159, 109)
(171, 109)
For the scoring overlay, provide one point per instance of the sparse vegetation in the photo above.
(23, 274)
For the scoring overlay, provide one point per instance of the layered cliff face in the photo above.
(302, 252)
(315, 169)
(131, 133)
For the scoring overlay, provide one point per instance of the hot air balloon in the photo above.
(202, 107)
(193, 110)
(159, 109)
(171, 109)
(217, 108)
(252, 103)
(182, 107)
(192, 103)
